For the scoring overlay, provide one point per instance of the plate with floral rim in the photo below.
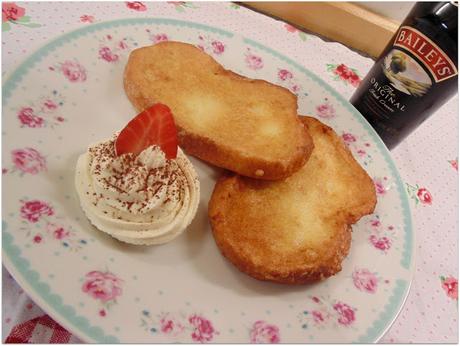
(68, 94)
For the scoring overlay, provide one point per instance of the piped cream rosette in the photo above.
(140, 200)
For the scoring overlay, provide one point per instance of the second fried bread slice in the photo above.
(297, 230)
(245, 125)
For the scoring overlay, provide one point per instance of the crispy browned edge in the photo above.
(226, 157)
(228, 183)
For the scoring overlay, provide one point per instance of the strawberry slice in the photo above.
(153, 126)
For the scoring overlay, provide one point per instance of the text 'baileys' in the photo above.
(416, 73)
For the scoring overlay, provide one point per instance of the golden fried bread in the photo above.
(295, 230)
(245, 125)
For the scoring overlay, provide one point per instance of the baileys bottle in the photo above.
(415, 74)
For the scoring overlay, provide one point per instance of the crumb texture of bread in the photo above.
(296, 230)
(245, 125)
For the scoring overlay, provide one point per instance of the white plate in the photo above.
(69, 94)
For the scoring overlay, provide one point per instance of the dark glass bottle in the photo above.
(415, 74)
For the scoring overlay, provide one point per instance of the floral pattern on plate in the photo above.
(193, 327)
(287, 79)
(253, 61)
(323, 312)
(365, 280)
(325, 111)
(359, 146)
(264, 333)
(44, 112)
(157, 37)
(382, 236)
(103, 286)
(41, 224)
(72, 70)
(292, 29)
(111, 48)
(26, 161)
(210, 45)
(83, 78)
(382, 186)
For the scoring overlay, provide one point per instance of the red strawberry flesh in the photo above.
(153, 126)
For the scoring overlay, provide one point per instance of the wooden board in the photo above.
(344, 22)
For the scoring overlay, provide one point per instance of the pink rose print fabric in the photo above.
(136, 6)
(28, 160)
(365, 281)
(424, 196)
(15, 15)
(103, 286)
(345, 74)
(264, 333)
(450, 286)
(419, 194)
(87, 18)
(11, 11)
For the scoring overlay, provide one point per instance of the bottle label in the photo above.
(435, 60)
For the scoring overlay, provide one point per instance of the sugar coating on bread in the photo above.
(245, 125)
(296, 230)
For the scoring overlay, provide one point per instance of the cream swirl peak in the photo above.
(141, 199)
(132, 184)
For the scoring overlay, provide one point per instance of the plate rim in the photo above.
(28, 278)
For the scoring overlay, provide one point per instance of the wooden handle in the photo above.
(344, 22)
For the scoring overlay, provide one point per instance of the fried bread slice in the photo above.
(245, 125)
(296, 230)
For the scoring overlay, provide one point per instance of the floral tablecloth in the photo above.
(427, 160)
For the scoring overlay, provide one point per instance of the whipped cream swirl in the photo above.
(141, 199)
